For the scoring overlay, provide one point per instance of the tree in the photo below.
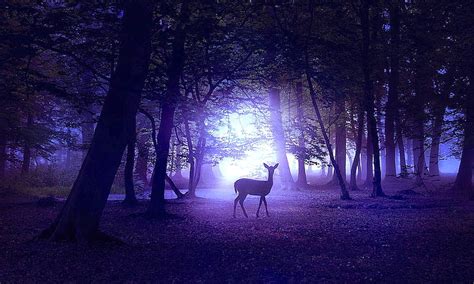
(80, 216)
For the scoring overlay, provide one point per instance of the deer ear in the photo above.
(275, 166)
(265, 165)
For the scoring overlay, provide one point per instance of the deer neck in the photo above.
(270, 178)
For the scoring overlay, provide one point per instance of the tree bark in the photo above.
(87, 131)
(302, 179)
(340, 138)
(279, 138)
(392, 103)
(356, 162)
(141, 166)
(156, 208)
(80, 216)
(369, 175)
(25, 165)
(342, 183)
(463, 180)
(401, 150)
(3, 156)
(418, 123)
(130, 197)
(369, 97)
(435, 142)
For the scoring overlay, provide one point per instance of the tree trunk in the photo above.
(369, 175)
(3, 155)
(25, 165)
(178, 175)
(340, 138)
(409, 150)
(279, 138)
(80, 216)
(156, 208)
(435, 141)
(369, 98)
(392, 103)
(356, 162)
(342, 183)
(141, 167)
(87, 131)
(130, 197)
(418, 124)
(302, 179)
(191, 160)
(463, 180)
(401, 150)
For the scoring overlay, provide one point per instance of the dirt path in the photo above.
(310, 236)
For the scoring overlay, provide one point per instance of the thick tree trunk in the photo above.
(392, 103)
(302, 179)
(369, 97)
(130, 197)
(279, 138)
(356, 162)
(80, 216)
(156, 208)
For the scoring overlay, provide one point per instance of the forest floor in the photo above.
(310, 236)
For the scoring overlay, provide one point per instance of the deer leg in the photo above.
(241, 201)
(235, 203)
(266, 208)
(259, 204)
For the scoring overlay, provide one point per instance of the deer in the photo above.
(262, 188)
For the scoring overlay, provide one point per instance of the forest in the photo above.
(132, 131)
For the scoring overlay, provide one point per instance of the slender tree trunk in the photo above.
(302, 179)
(342, 183)
(356, 162)
(178, 175)
(156, 207)
(141, 167)
(25, 165)
(369, 176)
(191, 160)
(359, 170)
(279, 138)
(80, 216)
(409, 150)
(392, 103)
(435, 141)
(369, 97)
(401, 150)
(130, 197)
